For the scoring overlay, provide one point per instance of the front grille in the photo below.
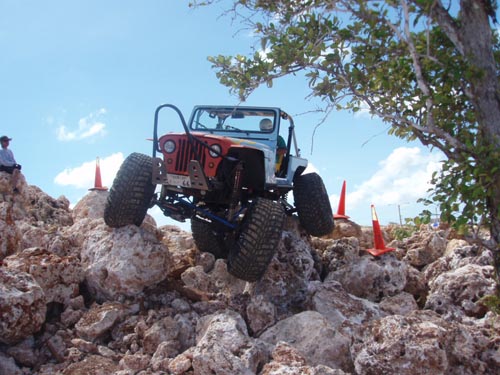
(187, 153)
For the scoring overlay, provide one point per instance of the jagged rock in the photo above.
(285, 282)
(122, 261)
(424, 247)
(22, 306)
(457, 292)
(58, 276)
(340, 253)
(463, 254)
(422, 343)
(165, 331)
(315, 337)
(45, 210)
(100, 319)
(218, 280)
(91, 206)
(287, 360)
(93, 364)
(334, 307)
(416, 284)
(400, 304)
(134, 362)
(345, 228)
(261, 314)
(224, 347)
(179, 365)
(343, 310)
(25, 353)
(8, 366)
(11, 235)
(372, 278)
(30, 217)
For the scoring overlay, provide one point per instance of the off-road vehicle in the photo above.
(229, 171)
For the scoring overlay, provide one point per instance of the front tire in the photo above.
(313, 205)
(131, 193)
(257, 240)
(207, 239)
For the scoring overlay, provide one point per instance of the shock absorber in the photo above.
(236, 191)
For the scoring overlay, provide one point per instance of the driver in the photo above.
(267, 125)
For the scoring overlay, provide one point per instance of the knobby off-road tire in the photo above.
(131, 193)
(207, 239)
(256, 240)
(313, 205)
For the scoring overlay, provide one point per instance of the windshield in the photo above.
(234, 120)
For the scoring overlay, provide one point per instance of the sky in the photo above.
(80, 80)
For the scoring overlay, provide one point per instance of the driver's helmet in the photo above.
(266, 124)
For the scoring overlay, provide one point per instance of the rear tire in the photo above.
(131, 193)
(257, 240)
(207, 239)
(313, 205)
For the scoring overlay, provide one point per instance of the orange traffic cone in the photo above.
(341, 209)
(98, 183)
(378, 240)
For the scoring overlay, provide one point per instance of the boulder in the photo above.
(224, 347)
(457, 292)
(424, 247)
(100, 319)
(22, 306)
(343, 311)
(123, 261)
(422, 343)
(372, 278)
(313, 336)
(288, 360)
(58, 276)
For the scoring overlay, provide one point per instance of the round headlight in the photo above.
(215, 150)
(169, 147)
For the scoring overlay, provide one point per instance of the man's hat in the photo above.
(5, 138)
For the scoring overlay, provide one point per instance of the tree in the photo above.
(429, 69)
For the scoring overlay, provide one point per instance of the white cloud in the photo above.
(83, 176)
(402, 178)
(88, 127)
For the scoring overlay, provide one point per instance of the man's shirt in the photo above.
(7, 157)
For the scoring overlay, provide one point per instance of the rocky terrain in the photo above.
(77, 297)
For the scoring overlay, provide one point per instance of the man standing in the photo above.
(8, 162)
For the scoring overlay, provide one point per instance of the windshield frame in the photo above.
(233, 121)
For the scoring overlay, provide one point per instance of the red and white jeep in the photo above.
(229, 172)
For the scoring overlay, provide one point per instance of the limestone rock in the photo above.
(345, 228)
(91, 206)
(372, 278)
(216, 281)
(223, 346)
(457, 292)
(284, 284)
(58, 276)
(400, 304)
(8, 365)
(94, 364)
(424, 247)
(287, 360)
(422, 343)
(100, 319)
(342, 310)
(312, 335)
(152, 304)
(22, 306)
(122, 261)
(166, 332)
